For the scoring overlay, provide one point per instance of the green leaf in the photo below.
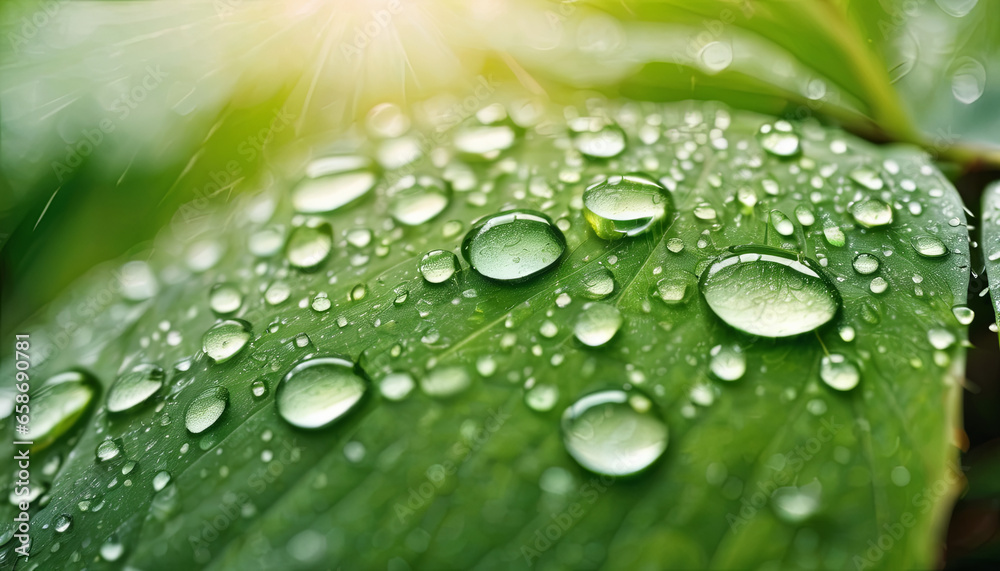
(991, 242)
(774, 468)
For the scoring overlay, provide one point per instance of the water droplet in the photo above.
(445, 381)
(929, 246)
(940, 339)
(871, 213)
(715, 56)
(205, 409)
(63, 523)
(804, 215)
(968, 80)
(258, 388)
(317, 392)
(769, 292)
(963, 314)
(867, 178)
(796, 504)
(865, 264)
(672, 290)
(415, 201)
(359, 292)
(225, 298)
(396, 386)
(957, 8)
(624, 206)
(542, 397)
(675, 245)
(833, 234)
(513, 246)
(779, 142)
(838, 372)
(266, 242)
(878, 284)
(598, 139)
(309, 246)
(321, 303)
(277, 293)
(331, 183)
(226, 339)
(107, 450)
(160, 480)
(782, 223)
(484, 141)
(728, 362)
(438, 266)
(112, 549)
(134, 387)
(597, 324)
(598, 284)
(58, 405)
(614, 432)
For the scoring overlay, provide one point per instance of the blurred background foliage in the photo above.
(118, 118)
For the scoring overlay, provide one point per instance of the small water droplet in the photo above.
(309, 246)
(929, 246)
(205, 409)
(598, 284)
(968, 80)
(940, 339)
(782, 223)
(871, 213)
(107, 450)
(797, 504)
(317, 392)
(396, 386)
(963, 314)
(627, 205)
(443, 382)
(331, 183)
(135, 387)
(867, 178)
(226, 339)
(728, 362)
(542, 397)
(63, 523)
(225, 298)
(160, 480)
(782, 143)
(614, 432)
(417, 200)
(597, 324)
(438, 266)
(598, 139)
(833, 234)
(878, 284)
(838, 372)
(865, 264)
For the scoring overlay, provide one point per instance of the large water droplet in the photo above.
(331, 183)
(226, 339)
(614, 432)
(929, 246)
(597, 324)
(838, 372)
(769, 292)
(205, 409)
(963, 314)
(134, 387)
(438, 266)
(871, 212)
(317, 392)
(58, 405)
(416, 200)
(309, 246)
(514, 245)
(624, 206)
